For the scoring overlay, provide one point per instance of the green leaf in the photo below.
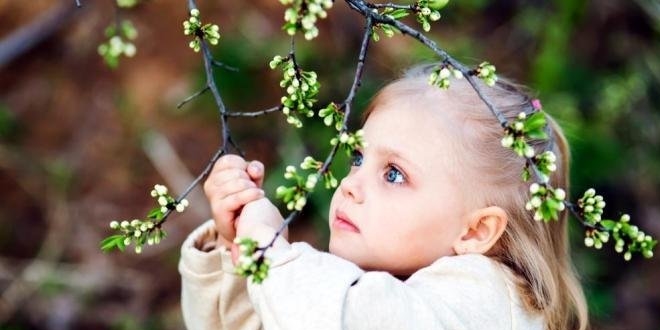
(537, 134)
(155, 213)
(535, 122)
(608, 224)
(112, 242)
(397, 13)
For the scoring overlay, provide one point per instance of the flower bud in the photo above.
(588, 241)
(560, 194)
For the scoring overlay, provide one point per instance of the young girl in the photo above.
(428, 230)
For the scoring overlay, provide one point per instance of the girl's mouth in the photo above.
(343, 222)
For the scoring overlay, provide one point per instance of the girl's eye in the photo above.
(393, 175)
(356, 159)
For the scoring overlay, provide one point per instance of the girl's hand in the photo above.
(257, 216)
(233, 182)
(260, 220)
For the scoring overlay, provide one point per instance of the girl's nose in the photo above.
(351, 188)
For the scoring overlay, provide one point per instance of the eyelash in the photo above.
(357, 159)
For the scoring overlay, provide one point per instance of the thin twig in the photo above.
(390, 5)
(255, 113)
(191, 97)
(224, 66)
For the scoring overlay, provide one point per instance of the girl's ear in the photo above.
(483, 228)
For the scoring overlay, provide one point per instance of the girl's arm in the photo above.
(212, 297)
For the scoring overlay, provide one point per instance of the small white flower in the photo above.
(560, 194)
(180, 208)
(185, 202)
(507, 141)
(534, 188)
(445, 73)
(114, 224)
(162, 200)
(588, 241)
(160, 189)
(300, 203)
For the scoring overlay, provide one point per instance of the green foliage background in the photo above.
(72, 136)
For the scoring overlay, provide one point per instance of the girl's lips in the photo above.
(343, 222)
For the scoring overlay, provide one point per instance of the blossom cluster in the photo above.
(350, 141)
(440, 75)
(523, 129)
(118, 43)
(193, 26)
(301, 88)
(486, 72)
(332, 115)
(147, 231)
(546, 202)
(249, 264)
(427, 11)
(303, 14)
(627, 237)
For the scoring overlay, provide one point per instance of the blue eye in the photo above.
(356, 159)
(393, 175)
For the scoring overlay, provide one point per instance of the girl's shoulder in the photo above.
(478, 284)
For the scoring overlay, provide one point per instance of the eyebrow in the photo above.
(389, 152)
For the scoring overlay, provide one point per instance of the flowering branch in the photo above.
(301, 88)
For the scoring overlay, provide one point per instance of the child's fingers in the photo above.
(235, 253)
(255, 170)
(232, 188)
(229, 161)
(235, 201)
(218, 179)
(225, 210)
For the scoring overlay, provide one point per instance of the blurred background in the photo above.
(82, 144)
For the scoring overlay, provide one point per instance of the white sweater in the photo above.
(308, 289)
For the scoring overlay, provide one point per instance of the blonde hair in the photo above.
(537, 252)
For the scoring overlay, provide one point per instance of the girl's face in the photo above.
(400, 208)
